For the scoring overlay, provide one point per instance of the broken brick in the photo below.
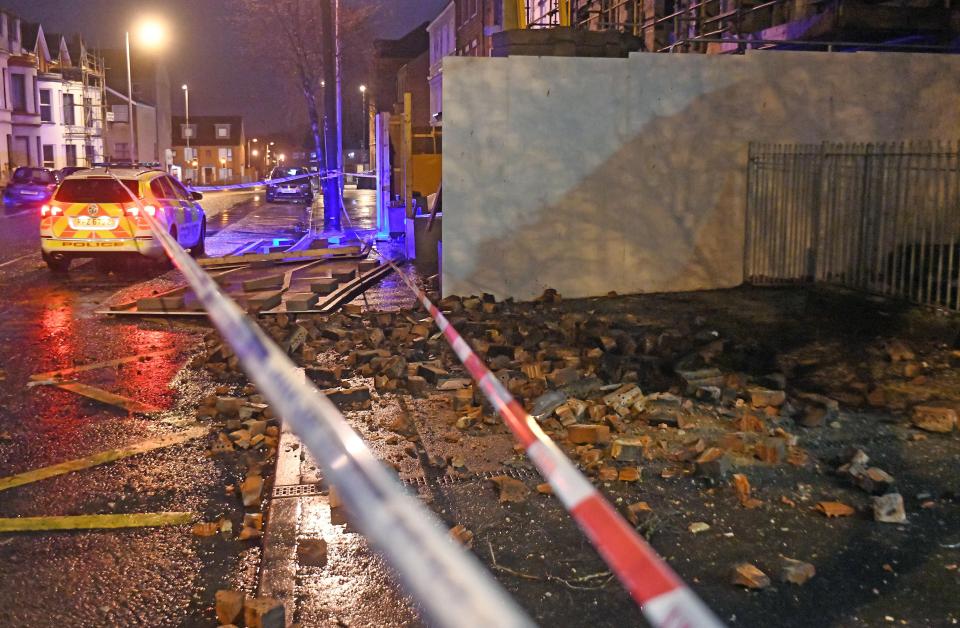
(634, 510)
(586, 433)
(608, 474)
(741, 485)
(511, 490)
(264, 612)
(250, 490)
(312, 552)
(462, 535)
(229, 605)
(771, 450)
(889, 508)
(629, 474)
(629, 449)
(747, 575)
(934, 419)
(761, 397)
(835, 509)
(796, 571)
(714, 463)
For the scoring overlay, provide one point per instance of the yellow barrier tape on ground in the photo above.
(92, 522)
(101, 458)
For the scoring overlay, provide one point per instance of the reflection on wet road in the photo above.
(156, 577)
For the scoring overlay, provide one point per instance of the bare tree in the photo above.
(300, 38)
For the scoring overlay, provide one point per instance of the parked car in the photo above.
(93, 215)
(63, 173)
(29, 187)
(298, 190)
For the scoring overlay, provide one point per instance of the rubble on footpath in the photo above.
(624, 397)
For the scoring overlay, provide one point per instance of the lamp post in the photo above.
(366, 116)
(188, 132)
(152, 34)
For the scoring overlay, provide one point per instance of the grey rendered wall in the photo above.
(592, 175)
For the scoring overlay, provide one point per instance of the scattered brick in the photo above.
(796, 571)
(935, 419)
(889, 508)
(747, 575)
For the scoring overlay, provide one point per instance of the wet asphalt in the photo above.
(139, 576)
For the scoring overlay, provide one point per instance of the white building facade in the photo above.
(443, 42)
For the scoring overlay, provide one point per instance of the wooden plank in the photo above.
(94, 522)
(276, 257)
(103, 457)
(103, 396)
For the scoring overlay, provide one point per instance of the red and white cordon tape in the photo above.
(664, 598)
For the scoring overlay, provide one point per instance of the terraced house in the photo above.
(51, 105)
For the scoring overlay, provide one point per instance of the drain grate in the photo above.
(449, 480)
(308, 490)
(296, 490)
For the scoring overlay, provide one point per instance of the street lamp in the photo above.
(281, 157)
(366, 116)
(151, 34)
(188, 132)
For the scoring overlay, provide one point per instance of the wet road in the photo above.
(148, 576)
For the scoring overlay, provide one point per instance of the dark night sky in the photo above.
(205, 50)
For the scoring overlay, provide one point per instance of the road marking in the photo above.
(15, 260)
(19, 213)
(43, 378)
(93, 522)
(103, 457)
(104, 396)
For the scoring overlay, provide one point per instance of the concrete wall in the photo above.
(592, 175)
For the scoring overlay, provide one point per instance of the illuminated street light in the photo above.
(281, 157)
(255, 152)
(152, 35)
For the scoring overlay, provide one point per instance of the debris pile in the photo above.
(626, 398)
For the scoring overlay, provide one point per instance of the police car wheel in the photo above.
(57, 264)
(201, 248)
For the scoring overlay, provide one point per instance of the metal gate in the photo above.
(883, 218)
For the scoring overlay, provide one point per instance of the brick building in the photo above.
(217, 144)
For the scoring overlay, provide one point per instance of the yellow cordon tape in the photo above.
(94, 522)
(450, 585)
(101, 458)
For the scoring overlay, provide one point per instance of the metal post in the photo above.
(186, 107)
(133, 142)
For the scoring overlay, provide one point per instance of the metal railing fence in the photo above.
(881, 217)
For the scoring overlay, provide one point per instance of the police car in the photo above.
(92, 215)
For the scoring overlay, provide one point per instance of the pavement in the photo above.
(149, 576)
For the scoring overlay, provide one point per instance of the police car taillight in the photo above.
(47, 210)
(135, 211)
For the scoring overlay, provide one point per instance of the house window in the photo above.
(69, 114)
(71, 152)
(88, 111)
(120, 113)
(90, 153)
(46, 106)
(225, 153)
(223, 131)
(48, 161)
(18, 85)
(15, 31)
(188, 131)
(121, 150)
